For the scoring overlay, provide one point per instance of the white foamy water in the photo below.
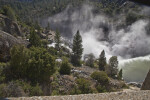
(136, 69)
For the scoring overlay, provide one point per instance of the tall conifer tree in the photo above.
(102, 61)
(77, 49)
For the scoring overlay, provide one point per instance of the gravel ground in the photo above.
(132, 95)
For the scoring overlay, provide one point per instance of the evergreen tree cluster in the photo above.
(111, 68)
(34, 64)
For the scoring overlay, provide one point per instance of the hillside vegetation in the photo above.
(29, 10)
(45, 63)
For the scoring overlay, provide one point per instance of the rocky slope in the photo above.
(10, 34)
(134, 95)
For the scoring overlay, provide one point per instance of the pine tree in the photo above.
(65, 68)
(120, 74)
(48, 26)
(57, 40)
(77, 49)
(113, 66)
(102, 61)
(34, 38)
(37, 26)
(90, 60)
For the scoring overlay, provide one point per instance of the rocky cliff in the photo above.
(9, 26)
(146, 84)
(10, 34)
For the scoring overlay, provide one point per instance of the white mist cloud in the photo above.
(133, 43)
(92, 45)
(99, 33)
(145, 10)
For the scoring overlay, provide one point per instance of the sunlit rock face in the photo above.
(146, 83)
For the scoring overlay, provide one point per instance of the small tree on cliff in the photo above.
(57, 40)
(77, 49)
(102, 61)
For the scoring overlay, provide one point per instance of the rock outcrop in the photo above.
(146, 83)
(6, 42)
(9, 26)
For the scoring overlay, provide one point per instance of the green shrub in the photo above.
(75, 91)
(36, 91)
(84, 86)
(101, 77)
(25, 86)
(76, 74)
(65, 68)
(12, 89)
(101, 89)
(2, 64)
(29, 89)
(2, 75)
(55, 88)
(2, 90)
(55, 92)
